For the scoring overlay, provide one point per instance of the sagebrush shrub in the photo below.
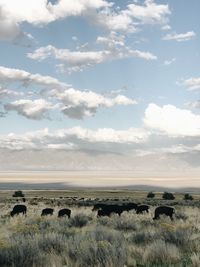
(160, 252)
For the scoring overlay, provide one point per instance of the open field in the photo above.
(93, 193)
(84, 240)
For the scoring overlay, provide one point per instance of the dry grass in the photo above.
(87, 241)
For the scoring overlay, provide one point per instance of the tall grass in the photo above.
(84, 240)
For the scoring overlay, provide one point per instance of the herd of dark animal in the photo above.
(48, 211)
(103, 210)
(107, 210)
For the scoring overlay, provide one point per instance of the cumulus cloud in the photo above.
(172, 121)
(72, 138)
(191, 83)
(73, 103)
(79, 60)
(9, 93)
(99, 12)
(112, 41)
(130, 18)
(31, 109)
(78, 104)
(111, 20)
(101, 149)
(43, 11)
(181, 37)
(40, 12)
(9, 29)
(194, 104)
(10, 75)
(150, 13)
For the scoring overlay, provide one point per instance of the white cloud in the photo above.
(9, 93)
(111, 20)
(130, 18)
(108, 135)
(191, 83)
(43, 11)
(78, 104)
(150, 13)
(181, 37)
(179, 149)
(78, 60)
(172, 121)
(9, 29)
(172, 149)
(40, 12)
(99, 12)
(169, 62)
(31, 109)
(72, 138)
(112, 41)
(194, 104)
(166, 27)
(73, 103)
(10, 75)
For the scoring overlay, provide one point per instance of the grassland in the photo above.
(87, 241)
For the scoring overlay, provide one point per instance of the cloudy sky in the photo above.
(100, 85)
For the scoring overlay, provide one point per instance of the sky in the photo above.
(98, 85)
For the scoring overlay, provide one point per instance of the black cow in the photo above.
(142, 208)
(64, 212)
(18, 209)
(47, 211)
(99, 206)
(103, 213)
(129, 206)
(168, 211)
(107, 210)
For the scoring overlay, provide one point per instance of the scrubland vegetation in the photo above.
(87, 241)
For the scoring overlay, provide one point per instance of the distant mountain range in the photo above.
(62, 186)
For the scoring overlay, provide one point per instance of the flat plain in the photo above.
(85, 240)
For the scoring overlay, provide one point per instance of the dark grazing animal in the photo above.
(107, 210)
(129, 206)
(99, 206)
(103, 213)
(142, 208)
(168, 211)
(47, 211)
(64, 212)
(18, 209)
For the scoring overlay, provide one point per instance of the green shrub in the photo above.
(188, 197)
(79, 220)
(150, 195)
(142, 237)
(18, 193)
(168, 196)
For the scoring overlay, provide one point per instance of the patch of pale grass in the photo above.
(195, 259)
(160, 252)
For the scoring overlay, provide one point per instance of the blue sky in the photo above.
(127, 82)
